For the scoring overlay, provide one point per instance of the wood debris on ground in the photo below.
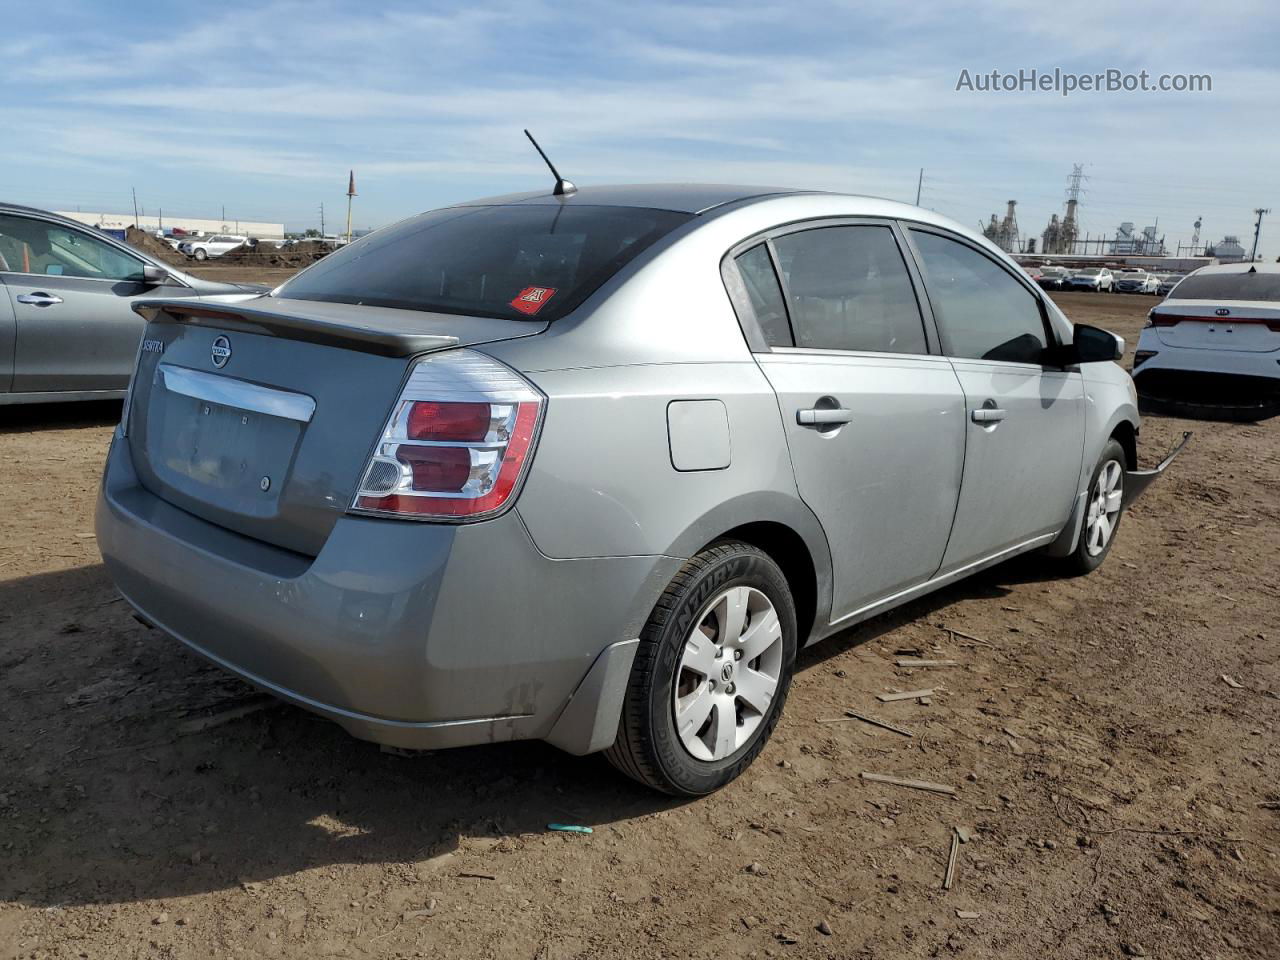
(906, 695)
(949, 877)
(925, 785)
(850, 715)
(915, 662)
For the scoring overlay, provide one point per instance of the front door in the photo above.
(874, 421)
(1025, 421)
(71, 295)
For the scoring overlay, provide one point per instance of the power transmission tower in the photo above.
(1257, 230)
(1066, 234)
(322, 220)
(135, 205)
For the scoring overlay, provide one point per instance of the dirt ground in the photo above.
(1120, 791)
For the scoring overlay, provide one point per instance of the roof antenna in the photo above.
(563, 188)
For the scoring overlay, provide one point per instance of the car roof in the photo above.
(692, 198)
(46, 214)
(1243, 267)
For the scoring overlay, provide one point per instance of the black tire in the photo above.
(201, 254)
(1081, 560)
(648, 747)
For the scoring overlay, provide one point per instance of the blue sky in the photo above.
(263, 107)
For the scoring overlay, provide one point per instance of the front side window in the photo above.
(848, 289)
(34, 246)
(986, 314)
(518, 261)
(761, 282)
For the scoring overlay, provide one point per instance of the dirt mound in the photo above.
(148, 244)
(269, 255)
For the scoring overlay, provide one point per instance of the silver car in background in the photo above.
(67, 327)
(590, 467)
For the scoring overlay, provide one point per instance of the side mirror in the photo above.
(154, 275)
(1092, 345)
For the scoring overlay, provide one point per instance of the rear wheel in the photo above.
(711, 673)
(1103, 508)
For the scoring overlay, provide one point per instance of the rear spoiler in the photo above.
(350, 334)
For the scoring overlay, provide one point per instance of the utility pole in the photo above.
(135, 205)
(1257, 231)
(351, 192)
(322, 221)
(919, 184)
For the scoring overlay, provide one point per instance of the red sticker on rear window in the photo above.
(532, 299)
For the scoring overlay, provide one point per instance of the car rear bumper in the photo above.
(1230, 380)
(410, 634)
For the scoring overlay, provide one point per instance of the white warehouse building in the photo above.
(120, 221)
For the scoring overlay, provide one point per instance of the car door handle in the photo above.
(987, 415)
(821, 415)
(39, 299)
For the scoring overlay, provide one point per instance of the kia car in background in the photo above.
(592, 466)
(214, 246)
(1212, 347)
(67, 330)
(1098, 279)
(1135, 282)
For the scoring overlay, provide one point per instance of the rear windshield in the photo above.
(515, 262)
(1228, 286)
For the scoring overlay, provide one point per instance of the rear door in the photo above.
(874, 416)
(1025, 422)
(71, 294)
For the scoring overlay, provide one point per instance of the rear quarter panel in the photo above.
(603, 483)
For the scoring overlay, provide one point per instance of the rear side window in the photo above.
(985, 313)
(518, 262)
(848, 289)
(756, 269)
(1228, 286)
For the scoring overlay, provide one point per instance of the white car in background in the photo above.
(1137, 281)
(1098, 279)
(1212, 347)
(214, 246)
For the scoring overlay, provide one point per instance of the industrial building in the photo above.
(1144, 243)
(120, 221)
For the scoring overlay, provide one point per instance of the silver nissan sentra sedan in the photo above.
(590, 467)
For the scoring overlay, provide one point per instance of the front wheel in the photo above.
(711, 673)
(1103, 507)
(202, 255)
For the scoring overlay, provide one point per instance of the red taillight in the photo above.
(466, 422)
(1172, 319)
(455, 458)
(443, 469)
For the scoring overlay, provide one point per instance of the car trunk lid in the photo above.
(1217, 325)
(259, 417)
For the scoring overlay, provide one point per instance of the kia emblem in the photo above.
(1223, 312)
(220, 353)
